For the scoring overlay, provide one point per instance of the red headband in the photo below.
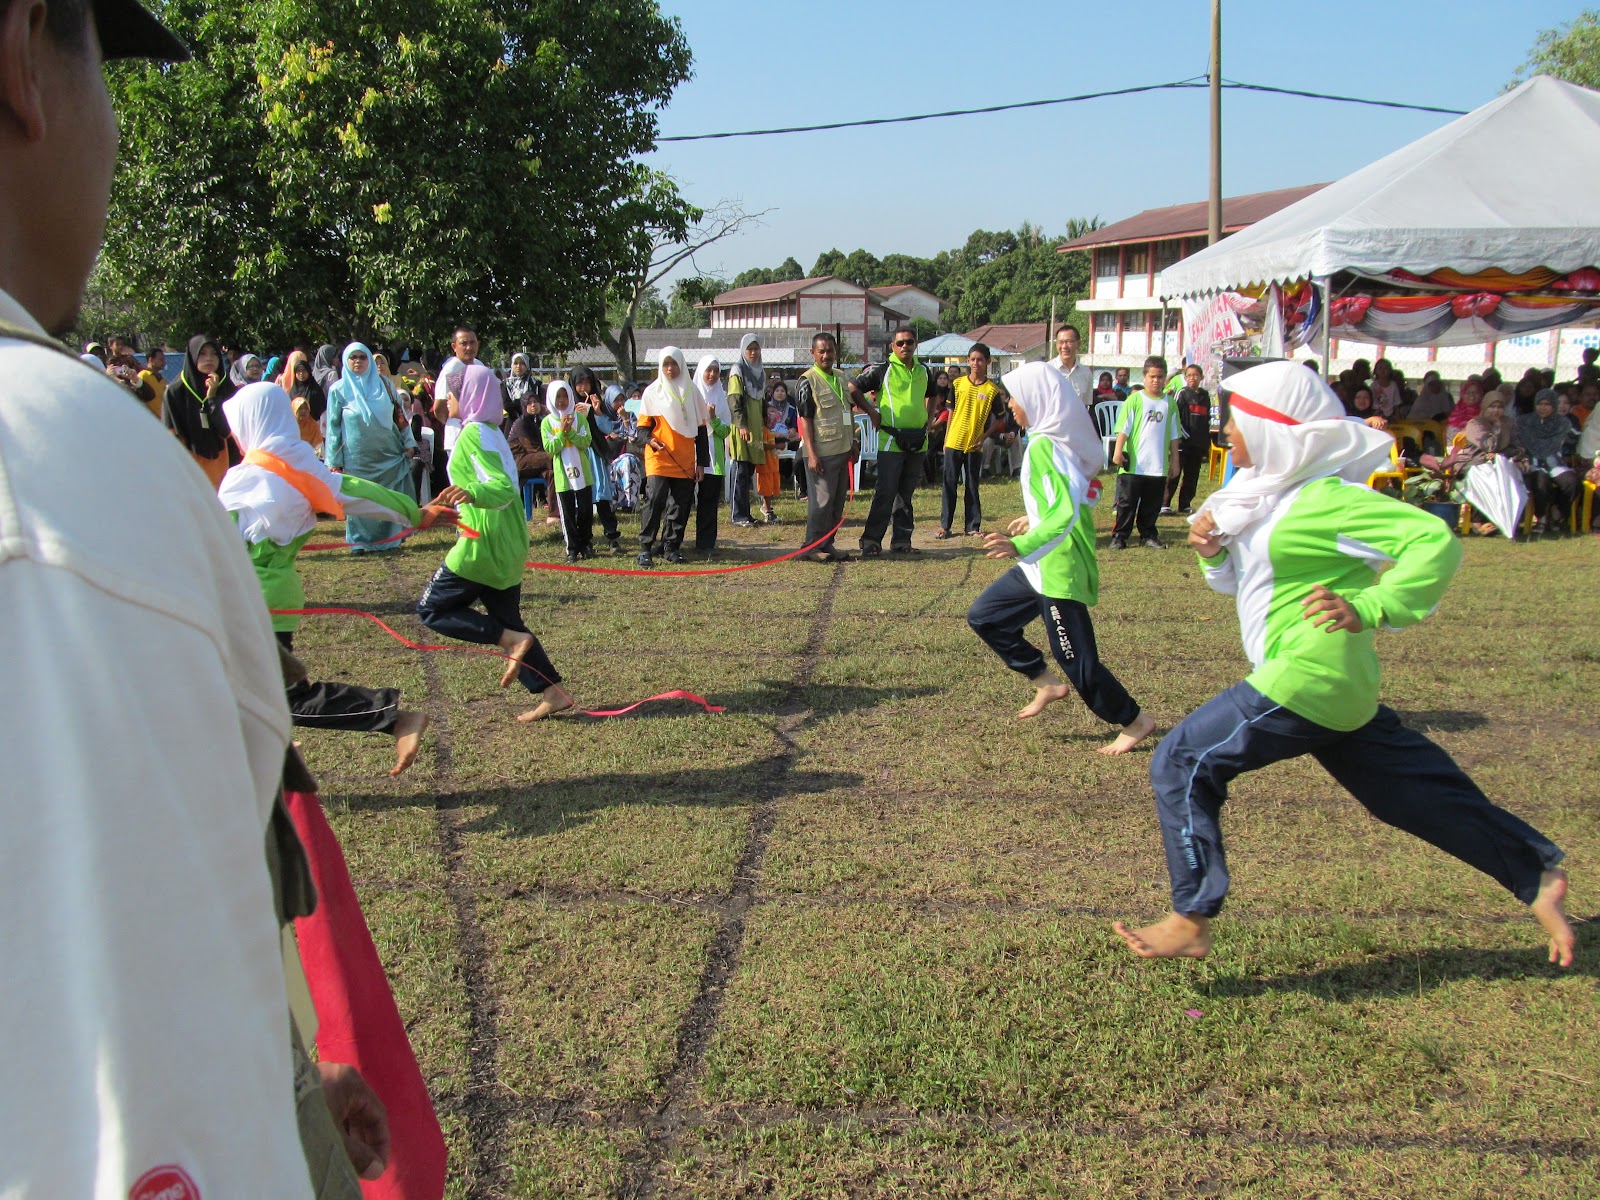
(1252, 409)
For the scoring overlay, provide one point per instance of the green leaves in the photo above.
(388, 168)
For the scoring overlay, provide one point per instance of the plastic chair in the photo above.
(1105, 419)
(1584, 500)
(1217, 462)
(1398, 472)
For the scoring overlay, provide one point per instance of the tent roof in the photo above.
(1509, 186)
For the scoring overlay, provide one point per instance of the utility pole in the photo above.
(1215, 206)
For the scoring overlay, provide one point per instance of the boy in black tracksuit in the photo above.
(1192, 405)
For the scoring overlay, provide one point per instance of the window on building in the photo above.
(1137, 261)
(1168, 252)
(1105, 263)
(1105, 322)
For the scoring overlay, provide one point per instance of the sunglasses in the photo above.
(905, 341)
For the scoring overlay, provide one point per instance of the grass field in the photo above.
(852, 937)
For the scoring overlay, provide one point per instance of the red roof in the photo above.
(1010, 339)
(1189, 220)
(758, 293)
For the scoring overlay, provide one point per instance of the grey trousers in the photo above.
(828, 488)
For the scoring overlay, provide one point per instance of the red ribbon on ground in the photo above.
(357, 1021)
(674, 694)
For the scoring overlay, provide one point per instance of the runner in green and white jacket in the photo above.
(1316, 563)
(1058, 578)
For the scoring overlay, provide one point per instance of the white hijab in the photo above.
(754, 375)
(561, 402)
(713, 395)
(1050, 402)
(270, 508)
(1295, 430)
(674, 401)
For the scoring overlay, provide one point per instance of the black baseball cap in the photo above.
(128, 29)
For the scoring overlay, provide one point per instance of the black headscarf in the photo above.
(311, 391)
(325, 368)
(595, 399)
(195, 417)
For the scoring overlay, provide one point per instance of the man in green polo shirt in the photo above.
(899, 407)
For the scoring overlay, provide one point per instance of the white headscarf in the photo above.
(754, 377)
(1294, 429)
(1053, 409)
(676, 402)
(270, 508)
(714, 395)
(561, 402)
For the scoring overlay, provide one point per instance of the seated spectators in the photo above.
(1543, 436)
(1104, 390)
(1527, 389)
(1002, 452)
(1385, 387)
(1433, 402)
(1492, 432)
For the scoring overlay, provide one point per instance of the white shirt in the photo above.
(1080, 378)
(143, 1009)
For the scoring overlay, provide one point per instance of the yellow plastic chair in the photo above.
(1217, 462)
(1398, 472)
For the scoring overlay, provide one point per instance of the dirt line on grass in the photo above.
(740, 1117)
(645, 1176)
(483, 1107)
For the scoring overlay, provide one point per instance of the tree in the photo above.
(1570, 52)
(689, 298)
(662, 246)
(924, 329)
(391, 167)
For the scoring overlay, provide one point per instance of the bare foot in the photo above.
(554, 700)
(1047, 689)
(1549, 909)
(1174, 936)
(1132, 734)
(408, 729)
(516, 645)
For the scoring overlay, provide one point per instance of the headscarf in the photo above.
(236, 373)
(310, 391)
(480, 401)
(366, 394)
(186, 401)
(271, 507)
(562, 401)
(671, 400)
(1054, 411)
(1544, 438)
(517, 386)
(1295, 430)
(95, 351)
(92, 360)
(325, 367)
(754, 378)
(1463, 411)
(274, 365)
(714, 396)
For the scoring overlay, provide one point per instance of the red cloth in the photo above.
(357, 1019)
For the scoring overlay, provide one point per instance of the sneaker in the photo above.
(644, 559)
(674, 556)
(1153, 544)
(1165, 511)
(1186, 512)
(572, 559)
(1119, 543)
(869, 551)
(745, 524)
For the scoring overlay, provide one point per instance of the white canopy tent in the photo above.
(1486, 228)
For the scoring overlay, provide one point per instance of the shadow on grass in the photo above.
(557, 805)
(1406, 974)
(767, 698)
(1445, 720)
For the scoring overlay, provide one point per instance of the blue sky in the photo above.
(923, 187)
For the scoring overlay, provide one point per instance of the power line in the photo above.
(1195, 82)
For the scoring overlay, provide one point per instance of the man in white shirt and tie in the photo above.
(1066, 361)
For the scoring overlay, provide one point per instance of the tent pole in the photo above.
(1214, 207)
(1325, 283)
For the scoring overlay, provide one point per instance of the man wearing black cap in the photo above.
(148, 1045)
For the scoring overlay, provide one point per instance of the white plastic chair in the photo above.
(1105, 420)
